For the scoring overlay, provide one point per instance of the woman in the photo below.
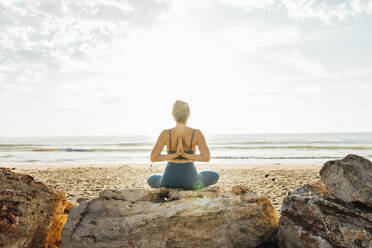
(181, 142)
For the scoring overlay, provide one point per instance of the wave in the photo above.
(284, 142)
(7, 156)
(90, 150)
(213, 148)
(68, 149)
(129, 144)
(20, 145)
(31, 160)
(297, 147)
(275, 157)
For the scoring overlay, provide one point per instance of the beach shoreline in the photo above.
(86, 182)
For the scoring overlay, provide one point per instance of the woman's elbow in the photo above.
(153, 159)
(207, 158)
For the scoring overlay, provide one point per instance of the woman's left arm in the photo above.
(156, 155)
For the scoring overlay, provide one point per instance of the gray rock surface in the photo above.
(171, 218)
(312, 218)
(349, 179)
(32, 214)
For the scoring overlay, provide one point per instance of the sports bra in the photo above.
(188, 152)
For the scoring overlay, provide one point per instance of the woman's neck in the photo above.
(180, 124)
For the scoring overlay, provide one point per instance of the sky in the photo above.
(115, 67)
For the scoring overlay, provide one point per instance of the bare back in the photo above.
(186, 134)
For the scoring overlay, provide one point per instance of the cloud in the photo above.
(304, 9)
(42, 37)
(359, 7)
(249, 4)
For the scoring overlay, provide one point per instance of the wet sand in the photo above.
(81, 183)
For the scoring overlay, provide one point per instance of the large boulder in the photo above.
(171, 218)
(32, 214)
(312, 218)
(349, 179)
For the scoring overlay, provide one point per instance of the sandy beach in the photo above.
(83, 182)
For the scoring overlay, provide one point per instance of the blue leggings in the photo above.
(183, 175)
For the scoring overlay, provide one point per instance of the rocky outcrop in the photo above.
(171, 218)
(32, 214)
(349, 179)
(312, 218)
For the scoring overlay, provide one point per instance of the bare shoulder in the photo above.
(198, 133)
(163, 134)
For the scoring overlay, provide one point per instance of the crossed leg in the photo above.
(205, 179)
(209, 177)
(154, 181)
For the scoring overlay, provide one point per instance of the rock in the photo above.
(349, 179)
(312, 218)
(171, 218)
(272, 242)
(32, 214)
(81, 199)
(131, 195)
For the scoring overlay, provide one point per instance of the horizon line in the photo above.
(206, 134)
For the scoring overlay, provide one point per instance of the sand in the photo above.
(81, 183)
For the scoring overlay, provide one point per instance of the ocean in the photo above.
(309, 148)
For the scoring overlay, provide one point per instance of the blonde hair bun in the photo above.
(181, 111)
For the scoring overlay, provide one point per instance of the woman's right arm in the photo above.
(204, 155)
(156, 155)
